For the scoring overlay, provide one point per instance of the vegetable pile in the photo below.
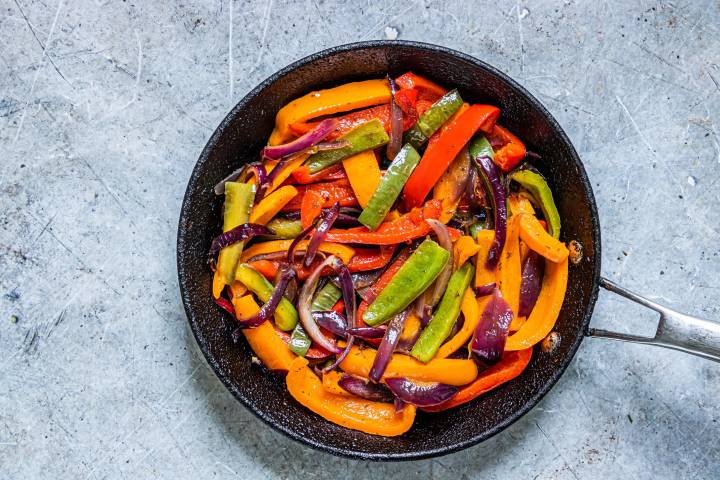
(392, 249)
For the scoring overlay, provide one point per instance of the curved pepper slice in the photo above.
(371, 258)
(269, 206)
(535, 236)
(338, 191)
(471, 308)
(286, 316)
(547, 308)
(540, 190)
(451, 186)
(344, 252)
(509, 149)
(508, 270)
(440, 153)
(301, 175)
(451, 371)
(343, 98)
(375, 418)
(510, 366)
(484, 275)
(427, 89)
(464, 248)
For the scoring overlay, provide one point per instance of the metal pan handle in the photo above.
(675, 330)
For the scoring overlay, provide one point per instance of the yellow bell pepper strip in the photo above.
(350, 96)
(269, 206)
(484, 275)
(238, 202)
(286, 316)
(364, 137)
(413, 278)
(451, 186)
(447, 313)
(508, 270)
(540, 191)
(266, 344)
(364, 175)
(344, 252)
(535, 236)
(291, 165)
(442, 370)
(390, 187)
(547, 308)
(375, 418)
(464, 248)
(471, 308)
(433, 118)
(520, 204)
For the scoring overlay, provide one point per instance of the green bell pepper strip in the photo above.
(299, 342)
(286, 317)
(324, 300)
(390, 187)
(413, 278)
(433, 118)
(369, 135)
(446, 315)
(540, 190)
(480, 147)
(284, 229)
(236, 211)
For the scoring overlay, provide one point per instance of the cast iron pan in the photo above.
(239, 139)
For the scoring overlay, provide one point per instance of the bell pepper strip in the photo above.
(406, 99)
(364, 137)
(350, 96)
(484, 275)
(439, 154)
(535, 236)
(471, 308)
(331, 383)
(411, 331)
(364, 175)
(427, 90)
(520, 204)
(547, 308)
(510, 366)
(423, 106)
(301, 175)
(300, 342)
(269, 348)
(338, 191)
(344, 252)
(455, 372)
(508, 273)
(269, 206)
(464, 248)
(375, 418)
(540, 191)
(266, 268)
(408, 227)
(237, 290)
(310, 208)
(383, 280)
(314, 352)
(509, 150)
(447, 313)
(286, 316)
(433, 118)
(390, 187)
(290, 166)
(371, 258)
(451, 186)
(413, 278)
(326, 298)
(238, 202)
(284, 229)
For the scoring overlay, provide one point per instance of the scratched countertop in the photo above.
(104, 109)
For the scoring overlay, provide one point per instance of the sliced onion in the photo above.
(387, 346)
(365, 279)
(396, 123)
(268, 309)
(399, 405)
(296, 241)
(292, 287)
(225, 305)
(442, 280)
(312, 137)
(331, 321)
(305, 301)
(237, 234)
(367, 390)
(532, 272)
(483, 290)
(325, 222)
(348, 293)
(368, 332)
(491, 331)
(498, 188)
(421, 394)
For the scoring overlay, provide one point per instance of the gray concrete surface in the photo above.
(104, 108)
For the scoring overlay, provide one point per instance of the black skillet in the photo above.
(239, 139)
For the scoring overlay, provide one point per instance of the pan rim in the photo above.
(415, 454)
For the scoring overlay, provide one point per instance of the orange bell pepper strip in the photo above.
(350, 96)
(464, 248)
(371, 258)
(520, 204)
(441, 152)
(269, 206)
(547, 308)
(510, 366)
(266, 268)
(331, 383)
(535, 236)
(336, 191)
(427, 90)
(375, 418)
(292, 164)
(310, 208)
(471, 309)
(509, 149)
(408, 227)
(270, 349)
(443, 370)
(344, 252)
(303, 176)
(450, 188)
(508, 271)
(363, 172)
(483, 275)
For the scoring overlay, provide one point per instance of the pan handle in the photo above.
(675, 330)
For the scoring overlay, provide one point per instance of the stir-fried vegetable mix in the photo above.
(392, 249)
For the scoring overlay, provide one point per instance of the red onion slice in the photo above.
(325, 222)
(488, 341)
(268, 309)
(305, 302)
(348, 293)
(495, 184)
(331, 321)
(444, 277)
(483, 290)
(369, 391)
(225, 305)
(308, 140)
(368, 332)
(296, 241)
(237, 234)
(387, 346)
(531, 282)
(421, 394)
(396, 123)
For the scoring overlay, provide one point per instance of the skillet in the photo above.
(239, 138)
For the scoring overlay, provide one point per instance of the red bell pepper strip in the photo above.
(371, 258)
(510, 366)
(407, 101)
(336, 191)
(427, 90)
(266, 268)
(310, 208)
(302, 175)
(443, 147)
(408, 227)
(509, 149)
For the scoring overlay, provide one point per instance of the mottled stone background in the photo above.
(104, 108)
